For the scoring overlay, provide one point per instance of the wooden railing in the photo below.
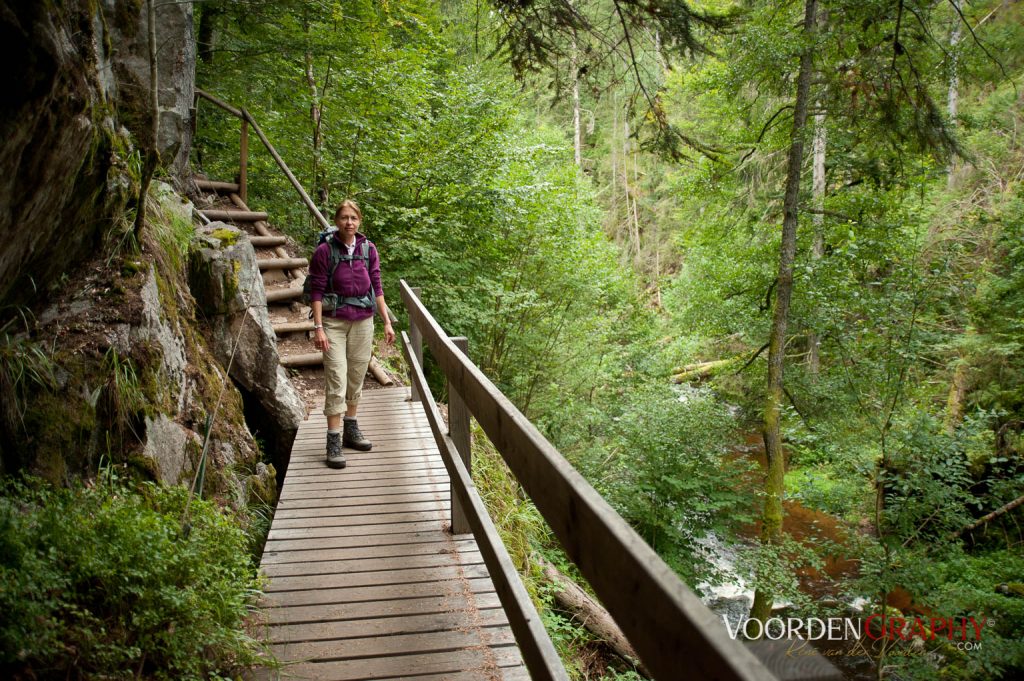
(243, 161)
(675, 635)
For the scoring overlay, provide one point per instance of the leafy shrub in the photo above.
(673, 480)
(102, 581)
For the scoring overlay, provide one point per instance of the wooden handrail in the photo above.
(222, 104)
(247, 119)
(536, 647)
(673, 632)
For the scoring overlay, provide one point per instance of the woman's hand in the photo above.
(389, 333)
(320, 340)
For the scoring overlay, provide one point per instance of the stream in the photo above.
(734, 596)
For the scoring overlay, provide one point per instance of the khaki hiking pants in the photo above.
(345, 363)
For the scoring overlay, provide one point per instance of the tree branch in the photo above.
(752, 358)
(988, 518)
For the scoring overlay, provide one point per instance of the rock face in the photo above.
(68, 109)
(176, 61)
(134, 383)
(58, 145)
(228, 289)
(117, 370)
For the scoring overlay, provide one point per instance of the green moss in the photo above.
(1015, 589)
(61, 424)
(130, 268)
(227, 237)
(231, 284)
(143, 466)
(262, 490)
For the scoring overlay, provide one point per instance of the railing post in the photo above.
(243, 170)
(458, 429)
(416, 338)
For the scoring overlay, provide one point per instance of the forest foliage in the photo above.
(584, 288)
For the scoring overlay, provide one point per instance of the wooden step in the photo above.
(267, 241)
(281, 263)
(279, 295)
(311, 359)
(214, 186)
(293, 327)
(234, 215)
(315, 359)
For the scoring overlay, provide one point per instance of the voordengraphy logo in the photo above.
(875, 628)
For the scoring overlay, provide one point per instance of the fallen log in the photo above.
(378, 372)
(702, 370)
(591, 615)
(991, 516)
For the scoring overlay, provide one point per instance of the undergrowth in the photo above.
(101, 582)
(526, 536)
(24, 366)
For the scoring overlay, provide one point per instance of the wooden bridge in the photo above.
(391, 568)
(365, 578)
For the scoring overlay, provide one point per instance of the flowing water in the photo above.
(734, 597)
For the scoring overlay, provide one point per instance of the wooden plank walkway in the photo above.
(365, 581)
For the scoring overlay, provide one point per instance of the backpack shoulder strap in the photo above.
(333, 260)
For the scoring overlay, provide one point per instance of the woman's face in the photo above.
(348, 222)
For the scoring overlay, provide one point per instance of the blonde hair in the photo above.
(350, 204)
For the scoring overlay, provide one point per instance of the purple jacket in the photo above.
(351, 279)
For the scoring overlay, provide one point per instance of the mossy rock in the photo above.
(262, 488)
(226, 236)
(60, 423)
(143, 466)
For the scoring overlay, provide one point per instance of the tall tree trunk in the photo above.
(771, 520)
(629, 191)
(953, 101)
(577, 137)
(613, 153)
(315, 113)
(152, 159)
(818, 245)
(208, 15)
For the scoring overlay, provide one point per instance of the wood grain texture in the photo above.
(675, 634)
(364, 579)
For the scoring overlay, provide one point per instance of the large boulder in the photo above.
(72, 109)
(228, 288)
(118, 373)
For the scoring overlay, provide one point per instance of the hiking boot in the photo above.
(354, 437)
(335, 459)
